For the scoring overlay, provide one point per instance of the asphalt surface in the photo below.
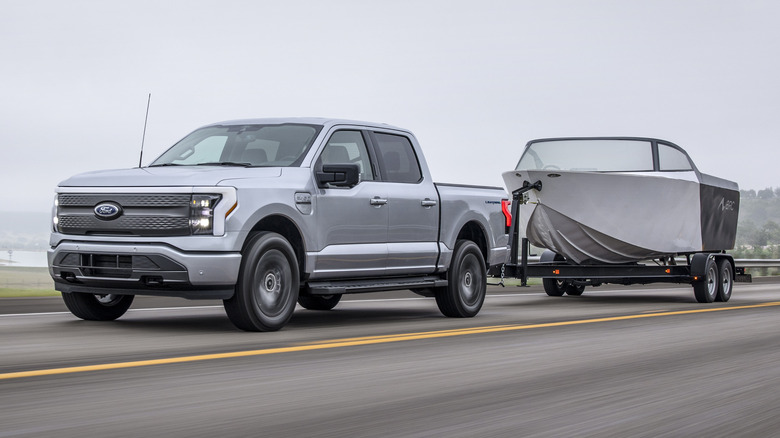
(630, 361)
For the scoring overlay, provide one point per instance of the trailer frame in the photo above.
(560, 276)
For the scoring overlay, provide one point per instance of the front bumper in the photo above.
(152, 269)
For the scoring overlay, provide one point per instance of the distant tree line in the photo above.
(758, 230)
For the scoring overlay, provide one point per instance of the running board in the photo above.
(373, 285)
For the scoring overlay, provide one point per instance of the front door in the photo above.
(352, 222)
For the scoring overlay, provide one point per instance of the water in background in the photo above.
(35, 259)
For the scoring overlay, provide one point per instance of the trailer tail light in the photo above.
(505, 203)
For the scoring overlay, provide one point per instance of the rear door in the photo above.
(412, 203)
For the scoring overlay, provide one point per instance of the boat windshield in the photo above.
(282, 145)
(588, 155)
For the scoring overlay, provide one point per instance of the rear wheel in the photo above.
(267, 287)
(97, 307)
(319, 302)
(706, 290)
(575, 289)
(726, 280)
(466, 282)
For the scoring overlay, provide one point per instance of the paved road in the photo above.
(614, 362)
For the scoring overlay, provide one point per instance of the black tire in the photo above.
(553, 287)
(319, 302)
(725, 280)
(575, 289)
(92, 307)
(267, 287)
(466, 282)
(706, 290)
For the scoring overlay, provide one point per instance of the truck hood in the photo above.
(168, 176)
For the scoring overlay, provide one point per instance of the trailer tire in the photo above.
(706, 289)
(466, 282)
(575, 289)
(725, 280)
(267, 287)
(553, 287)
(97, 307)
(319, 302)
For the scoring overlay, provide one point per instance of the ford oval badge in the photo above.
(108, 211)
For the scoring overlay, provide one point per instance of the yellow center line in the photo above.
(367, 340)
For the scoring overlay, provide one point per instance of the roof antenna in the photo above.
(148, 101)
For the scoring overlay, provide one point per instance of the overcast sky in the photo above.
(475, 80)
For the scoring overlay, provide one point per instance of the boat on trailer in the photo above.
(611, 200)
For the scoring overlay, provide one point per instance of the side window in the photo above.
(345, 147)
(670, 158)
(399, 162)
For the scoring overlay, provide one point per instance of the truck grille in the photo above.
(141, 214)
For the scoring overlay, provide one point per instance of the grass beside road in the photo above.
(26, 282)
(26, 293)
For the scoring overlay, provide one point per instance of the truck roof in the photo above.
(327, 122)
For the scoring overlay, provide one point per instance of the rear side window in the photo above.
(670, 158)
(399, 162)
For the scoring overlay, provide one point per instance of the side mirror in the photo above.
(338, 175)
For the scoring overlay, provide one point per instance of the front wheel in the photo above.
(97, 307)
(553, 287)
(706, 290)
(267, 287)
(466, 282)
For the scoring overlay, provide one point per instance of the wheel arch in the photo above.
(475, 232)
(288, 229)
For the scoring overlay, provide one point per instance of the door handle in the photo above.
(377, 201)
(428, 202)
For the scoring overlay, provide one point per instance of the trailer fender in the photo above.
(699, 265)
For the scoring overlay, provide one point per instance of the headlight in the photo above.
(55, 213)
(202, 213)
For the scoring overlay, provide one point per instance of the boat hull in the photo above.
(620, 217)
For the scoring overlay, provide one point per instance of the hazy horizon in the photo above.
(473, 81)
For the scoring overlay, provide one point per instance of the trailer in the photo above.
(712, 274)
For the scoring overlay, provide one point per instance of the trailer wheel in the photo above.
(466, 282)
(575, 289)
(706, 290)
(94, 307)
(553, 287)
(319, 302)
(726, 282)
(267, 287)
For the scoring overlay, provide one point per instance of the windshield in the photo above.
(242, 145)
(588, 155)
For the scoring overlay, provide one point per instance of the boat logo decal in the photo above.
(726, 205)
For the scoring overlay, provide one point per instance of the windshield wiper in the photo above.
(165, 164)
(226, 163)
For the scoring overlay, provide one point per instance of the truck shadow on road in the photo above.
(302, 319)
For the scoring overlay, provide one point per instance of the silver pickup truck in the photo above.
(267, 213)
